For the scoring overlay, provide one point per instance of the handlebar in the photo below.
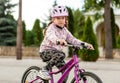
(77, 46)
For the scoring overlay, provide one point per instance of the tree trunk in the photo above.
(108, 35)
(19, 33)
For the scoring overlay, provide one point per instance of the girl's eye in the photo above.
(60, 17)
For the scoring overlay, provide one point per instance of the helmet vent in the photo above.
(60, 11)
(55, 10)
(64, 10)
(59, 6)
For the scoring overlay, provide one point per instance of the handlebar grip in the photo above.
(84, 46)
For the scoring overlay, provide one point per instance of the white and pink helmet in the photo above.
(59, 11)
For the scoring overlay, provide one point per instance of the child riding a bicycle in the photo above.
(50, 52)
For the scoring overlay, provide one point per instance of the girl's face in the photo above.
(60, 21)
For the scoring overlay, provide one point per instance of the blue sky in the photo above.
(32, 9)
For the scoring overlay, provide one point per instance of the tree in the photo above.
(29, 38)
(19, 33)
(96, 6)
(108, 35)
(37, 30)
(70, 25)
(90, 55)
(24, 33)
(79, 23)
(113, 27)
(7, 24)
(76, 22)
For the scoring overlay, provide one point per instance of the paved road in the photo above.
(11, 70)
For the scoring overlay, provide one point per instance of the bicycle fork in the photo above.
(77, 72)
(37, 78)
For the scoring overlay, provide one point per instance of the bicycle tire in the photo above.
(86, 75)
(33, 69)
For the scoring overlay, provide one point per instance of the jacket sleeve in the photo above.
(71, 39)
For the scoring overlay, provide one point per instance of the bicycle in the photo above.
(80, 75)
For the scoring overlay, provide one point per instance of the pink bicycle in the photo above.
(80, 75)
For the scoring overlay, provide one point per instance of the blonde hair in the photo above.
(44, 30)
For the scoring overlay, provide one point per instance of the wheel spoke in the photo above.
(31, 76)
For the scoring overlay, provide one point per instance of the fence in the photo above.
(26, 51)
(34, 51)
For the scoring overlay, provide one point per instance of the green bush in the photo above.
(70, 26)
(118, 42)
(113, 28)
(37, 30)
(89, 37)
(29, 38)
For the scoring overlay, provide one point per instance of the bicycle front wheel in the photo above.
(87, 77)
(31, 76)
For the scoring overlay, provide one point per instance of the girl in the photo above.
(50, 52)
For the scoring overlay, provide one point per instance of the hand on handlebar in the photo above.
(89, 46)
(61, 42)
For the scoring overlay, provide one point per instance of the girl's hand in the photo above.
(62, 42)
(89, 46)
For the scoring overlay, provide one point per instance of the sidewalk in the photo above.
(11, 70)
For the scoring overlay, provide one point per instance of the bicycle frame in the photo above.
(68, 66)
(73, 62)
